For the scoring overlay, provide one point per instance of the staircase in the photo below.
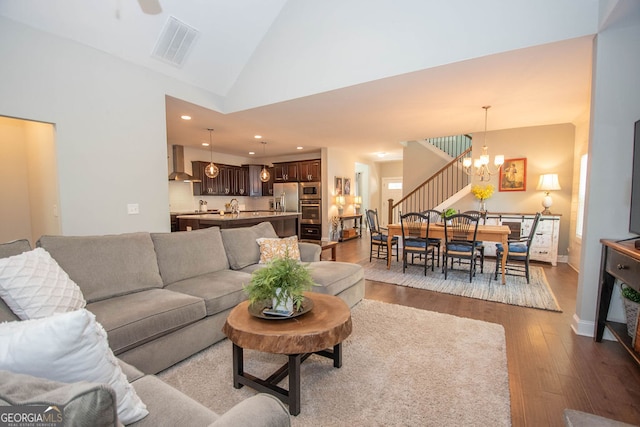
(446, 185)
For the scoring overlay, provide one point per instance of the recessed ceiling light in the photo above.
(299, 148)
(205, 144)
(258, 136)
(185, 117)
(252, 152)
(382, 154)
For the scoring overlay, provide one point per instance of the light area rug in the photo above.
(536, 294)
(401, 367)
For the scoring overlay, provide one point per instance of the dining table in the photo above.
(488, 233)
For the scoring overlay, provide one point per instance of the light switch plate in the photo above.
(133, 209)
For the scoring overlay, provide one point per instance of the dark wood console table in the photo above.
(620, 260)
(357, 226)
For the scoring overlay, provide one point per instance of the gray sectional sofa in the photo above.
(162, 297)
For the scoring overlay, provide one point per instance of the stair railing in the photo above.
(435, 190)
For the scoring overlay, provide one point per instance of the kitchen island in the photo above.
(285, 223)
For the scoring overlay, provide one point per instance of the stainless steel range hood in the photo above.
(178, 173)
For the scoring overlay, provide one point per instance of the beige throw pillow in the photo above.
(271, 249)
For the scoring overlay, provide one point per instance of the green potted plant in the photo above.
(280, 284)
(448, 212)
(631, 300)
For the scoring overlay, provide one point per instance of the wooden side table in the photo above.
(357, 226)
(320, 331)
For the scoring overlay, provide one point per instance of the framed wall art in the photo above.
(513, 175)
(338, 186)
(346, 189)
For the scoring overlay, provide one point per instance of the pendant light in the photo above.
(211, 170)
(264, 173)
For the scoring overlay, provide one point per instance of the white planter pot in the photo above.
(286, 304)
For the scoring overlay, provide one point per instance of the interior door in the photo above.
(391, 189)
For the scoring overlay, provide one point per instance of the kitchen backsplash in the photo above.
(181, 199)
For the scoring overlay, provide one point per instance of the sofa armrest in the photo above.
(261, 410)
(309, 252)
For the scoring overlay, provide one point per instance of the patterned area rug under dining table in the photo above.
(536, 294)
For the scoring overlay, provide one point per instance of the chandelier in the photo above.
(481, 166)
(211, 170)
(264, 173)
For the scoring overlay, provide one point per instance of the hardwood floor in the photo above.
(550, 367)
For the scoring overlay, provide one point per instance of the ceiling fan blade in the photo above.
(150, 7)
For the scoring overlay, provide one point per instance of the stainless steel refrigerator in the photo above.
(287, 191)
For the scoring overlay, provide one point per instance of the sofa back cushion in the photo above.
(14, 248)
(106, 266)
(185, 254)
(241, 245)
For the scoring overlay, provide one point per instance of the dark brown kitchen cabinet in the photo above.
(286, 172)
(309, 170)
(231, 180)
(255, 184)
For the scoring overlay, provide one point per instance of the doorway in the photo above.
(28, 180)
(391, 189)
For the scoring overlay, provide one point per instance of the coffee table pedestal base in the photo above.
(291, 369)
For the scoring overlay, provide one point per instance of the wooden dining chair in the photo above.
(460, 242)
(413, 225)
(435, 216)
(379, 236)
(518, 256)
(479, 245)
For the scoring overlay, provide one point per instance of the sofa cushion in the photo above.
(79, 404)
(220, 290)
(33, 285)
(15, 247)
(186, 254)
(68, 347)
(169, 407)
(241, 246)
(133, 319)
(106, 266)
(334, 277)
(271, 249)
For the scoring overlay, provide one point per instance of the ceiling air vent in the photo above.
(175, 42)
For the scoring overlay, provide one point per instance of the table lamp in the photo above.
(548, 182)
(357, 201)
(340, 201)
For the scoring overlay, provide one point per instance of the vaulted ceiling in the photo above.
(360, 75)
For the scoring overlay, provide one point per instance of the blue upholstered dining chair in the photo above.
(460, 242)
(413, 242)
(379, 236)
(518, 256)
(435, 216)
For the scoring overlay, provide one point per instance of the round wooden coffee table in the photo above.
(320, 331)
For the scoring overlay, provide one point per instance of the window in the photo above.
(582, 190)
(395, 186)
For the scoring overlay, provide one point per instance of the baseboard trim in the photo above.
(587, 327)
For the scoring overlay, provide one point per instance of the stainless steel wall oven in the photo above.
(311, 210)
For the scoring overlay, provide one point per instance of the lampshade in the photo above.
(340, 200)
(548, 182)
(357, 200)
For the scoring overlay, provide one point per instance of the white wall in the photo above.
(615, 108)
(110, 127)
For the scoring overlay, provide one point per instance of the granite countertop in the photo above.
(241, 215)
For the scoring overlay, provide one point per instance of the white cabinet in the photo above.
(545, 243)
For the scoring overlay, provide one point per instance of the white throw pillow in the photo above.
(33, 285)
(271, 249)
(68, 347)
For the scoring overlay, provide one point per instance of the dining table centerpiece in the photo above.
(482, 193)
